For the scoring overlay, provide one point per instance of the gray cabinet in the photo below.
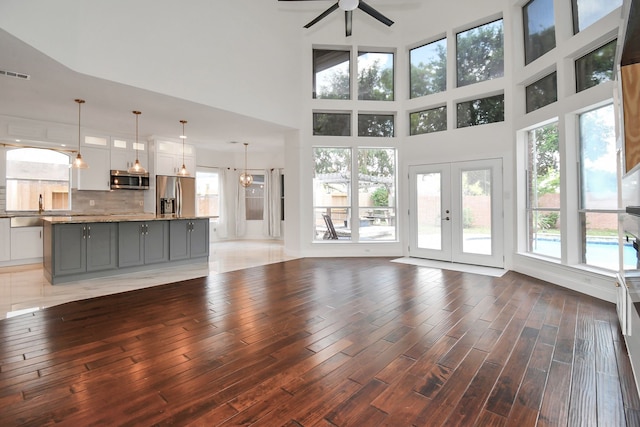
(141, 243)
(189, 239)
(80, 248)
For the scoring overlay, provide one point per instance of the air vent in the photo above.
(15, 75)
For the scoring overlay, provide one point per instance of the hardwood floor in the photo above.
(322, 342)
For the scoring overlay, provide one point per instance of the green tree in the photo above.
(430, 77)
(375, 83)
(480, 53)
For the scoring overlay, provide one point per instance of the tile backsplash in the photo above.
(97, 202)
(107, 202)
(3, 199)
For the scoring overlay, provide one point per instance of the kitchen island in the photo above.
(85, 247)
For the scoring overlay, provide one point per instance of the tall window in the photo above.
(331, 74)
(543, 191)
(539, 29)
(598, 188)
(376, 194)
(428, 68)
(374, 216)
(375, 76)
(207, 193)
(34, 173)
(586, 12)
(332, 193)
(480, 53)
(595, 67)
(254, 198)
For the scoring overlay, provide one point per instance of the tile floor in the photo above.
(24, 289)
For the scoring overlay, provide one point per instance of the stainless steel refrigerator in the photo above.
(176, 195)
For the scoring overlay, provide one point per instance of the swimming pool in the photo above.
(600, 252)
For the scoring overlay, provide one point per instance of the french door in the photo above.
(456, 212)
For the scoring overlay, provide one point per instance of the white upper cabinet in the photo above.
(123, 153)
(97, 175)
(168, 157)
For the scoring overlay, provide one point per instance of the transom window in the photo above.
(427, 121)
(332, 124)
(34, 174)
(595, 67)
(541, 93)
(481, 111)
(375, 125)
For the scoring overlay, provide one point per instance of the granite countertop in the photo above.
(73, 219)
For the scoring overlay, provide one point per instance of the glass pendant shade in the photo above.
(183, 170)
(246, 179)
(78, 162)
(137, 168)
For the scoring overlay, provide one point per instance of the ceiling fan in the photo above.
(349, 6)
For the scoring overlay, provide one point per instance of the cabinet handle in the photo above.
(88, 232)
(84, 231)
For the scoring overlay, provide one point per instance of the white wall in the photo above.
(235, 55)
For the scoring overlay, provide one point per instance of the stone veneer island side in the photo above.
(85, 247)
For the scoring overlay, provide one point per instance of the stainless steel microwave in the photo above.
(123, 180)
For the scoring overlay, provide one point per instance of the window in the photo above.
(480, 53)
(375, 125)
(428, 68)
(332, 192)
(427, 121)
(332, 124)
(375, 76)
(34, 172)
(375, 186)
(539, 29)
(543, 191)
(376, 194)
(541, 93)
(598, 188)
(481, 111)
(207, 193)
(254, 198)
(586, 12)
(331, 74)
(595, 67)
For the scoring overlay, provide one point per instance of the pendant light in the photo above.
(78, 162)
(245, 179)
(183, 170)
(137, 167)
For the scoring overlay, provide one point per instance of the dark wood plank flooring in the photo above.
(322, 342)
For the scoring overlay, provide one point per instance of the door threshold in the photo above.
(443, 265)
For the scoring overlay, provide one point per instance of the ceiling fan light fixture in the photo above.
(347, 5)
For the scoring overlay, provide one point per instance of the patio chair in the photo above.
(330, 234)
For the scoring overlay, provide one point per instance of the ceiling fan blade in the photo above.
(374, 13)
(348, 15)
(322, 15)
